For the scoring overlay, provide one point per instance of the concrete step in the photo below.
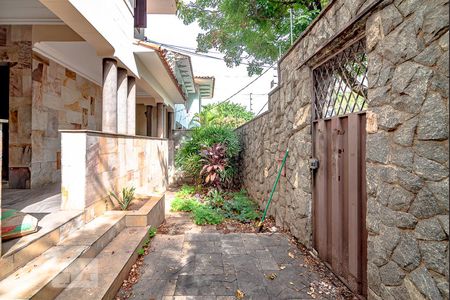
(48, 274)
(53, 228)
(104, 275)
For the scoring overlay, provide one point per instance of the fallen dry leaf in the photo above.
(282, 267)
(291, 255)
(240, 294)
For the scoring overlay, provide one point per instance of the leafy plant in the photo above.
(215, 198)
(126, 197)
(152, 232)
(190, 157)
(214, 161)
(248, 31)
(184, 204)
(223, 114)
(150, 235)
(204, 214)
(241, 208)
(185, 191)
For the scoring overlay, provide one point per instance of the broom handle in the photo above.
(275, 185)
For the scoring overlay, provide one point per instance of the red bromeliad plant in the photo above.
(215, 161)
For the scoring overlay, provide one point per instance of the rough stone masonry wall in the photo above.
(407, 152)
(62, 99)
(287, 124)
(15, 47)
(407, 145)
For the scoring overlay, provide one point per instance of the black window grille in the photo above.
(340, 84)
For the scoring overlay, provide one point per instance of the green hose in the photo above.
(274, 187)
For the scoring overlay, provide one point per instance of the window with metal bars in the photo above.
(340, 83)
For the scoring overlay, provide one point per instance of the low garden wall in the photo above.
(407, 156)
(96, 163)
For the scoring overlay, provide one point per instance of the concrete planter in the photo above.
(152, 213)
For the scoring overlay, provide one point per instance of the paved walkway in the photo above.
(192, 262)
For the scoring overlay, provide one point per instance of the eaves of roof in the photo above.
(162, 56)
(211, 78)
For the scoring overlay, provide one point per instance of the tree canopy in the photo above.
(249, 31)
(223, 114)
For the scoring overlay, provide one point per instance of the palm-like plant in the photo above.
(127, 196)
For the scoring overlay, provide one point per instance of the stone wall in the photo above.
(287, 124)
(407, 152)
(15, 47)
(407, 145)
(96, 163)
(62, 100)
(44, 98)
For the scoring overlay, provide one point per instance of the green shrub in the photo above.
(215, 198)
(223, 114)
(189, 157)
(184, 204)
(204, 214)
(186, 191)
(241, 208)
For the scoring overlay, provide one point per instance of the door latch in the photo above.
(314, 164)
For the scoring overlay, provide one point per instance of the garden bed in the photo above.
(229, 211)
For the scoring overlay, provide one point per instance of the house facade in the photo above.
(87, 107)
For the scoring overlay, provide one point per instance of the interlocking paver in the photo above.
(206, 285)
(207, 265)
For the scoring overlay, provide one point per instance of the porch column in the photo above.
(161, 120)
(171, 122)
(122, 96)
(131, 106)
(149, 114)
(154, 121)
(109, 92)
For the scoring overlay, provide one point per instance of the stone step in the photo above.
(104, 275)
(98, 233)
(53, 228)
(48, 274)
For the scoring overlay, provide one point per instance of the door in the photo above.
(339, 182)
(4, 114)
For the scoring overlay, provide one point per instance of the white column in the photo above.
(154, 120)
(149, 114)
(122, 99)
(109, 96)
(131, 106)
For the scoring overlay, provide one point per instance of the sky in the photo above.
(168, 29)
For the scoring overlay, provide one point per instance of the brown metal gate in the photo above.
(339, 185)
